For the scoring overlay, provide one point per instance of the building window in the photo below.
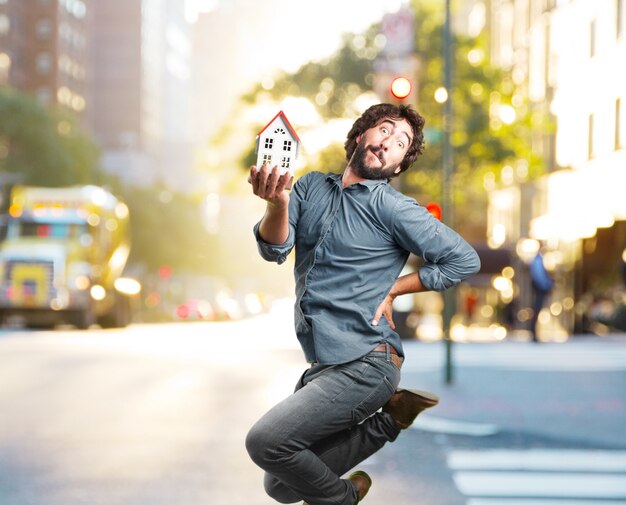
(43, 63)
(549, 5)
(590, 138)
(285, 162)
(280, 130)
(287, 145)
(267, 159)
(5, 24)
(44, 95)
(5, 67)
(619, 16)
(77, 8)
(269, 143)
(618, 124)
(592, 39)
(44, 29)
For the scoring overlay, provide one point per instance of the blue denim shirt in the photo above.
(351, 245)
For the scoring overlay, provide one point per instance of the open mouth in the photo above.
(379, 154)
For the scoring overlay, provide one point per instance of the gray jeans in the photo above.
(329, 425)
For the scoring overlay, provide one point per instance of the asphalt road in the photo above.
(157, 414)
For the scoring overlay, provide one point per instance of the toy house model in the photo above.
(277, 144)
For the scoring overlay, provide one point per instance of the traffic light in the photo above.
(165, 272)
(401, 87)
(435, 209)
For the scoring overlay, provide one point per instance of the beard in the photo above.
(362, 169)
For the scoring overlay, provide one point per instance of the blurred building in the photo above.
(565, 59)
(141, 81)
(218, 75)
(123, 66)
(45, 50)
(236, 43)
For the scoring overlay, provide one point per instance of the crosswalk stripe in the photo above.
(563, 357)
(525, 484)
(539, 460)
(451, 427)
(536, 501)
(539, 476)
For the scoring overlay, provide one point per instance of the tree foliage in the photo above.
(484, 143)
(333, 84)
(45, 147)
(167, 229)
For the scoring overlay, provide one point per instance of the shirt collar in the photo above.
(368, 183)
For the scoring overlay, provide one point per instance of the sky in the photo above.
(316, 25)
(250, 40)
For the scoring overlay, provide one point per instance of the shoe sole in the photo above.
(358, 473)
(430, 398)
(361, 473)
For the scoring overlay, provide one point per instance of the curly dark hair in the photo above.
(375, 114)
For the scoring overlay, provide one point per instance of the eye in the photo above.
(401, 145)
(384, 129)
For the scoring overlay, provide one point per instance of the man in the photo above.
(353, 234)
(542, 285)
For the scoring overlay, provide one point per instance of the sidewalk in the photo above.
(575, 390)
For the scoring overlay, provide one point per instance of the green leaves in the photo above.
(44, 147)
(495, 126)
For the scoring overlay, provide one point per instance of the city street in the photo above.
(160, 159)
(157, 414)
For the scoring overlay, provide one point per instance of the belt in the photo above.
(393, 354)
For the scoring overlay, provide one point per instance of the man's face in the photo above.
(381, 149)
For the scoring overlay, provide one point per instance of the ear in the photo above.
(358, 138)
(397, 170)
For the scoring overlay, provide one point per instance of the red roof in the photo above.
(282, 115)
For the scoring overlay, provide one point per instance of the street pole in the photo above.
(447, 186)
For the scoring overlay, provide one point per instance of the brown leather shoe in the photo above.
(362, 481)
(406, 404)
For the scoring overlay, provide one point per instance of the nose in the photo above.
(384, 143)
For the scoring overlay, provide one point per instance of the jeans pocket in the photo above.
(374, 401)
(300, 383)
(348, 379)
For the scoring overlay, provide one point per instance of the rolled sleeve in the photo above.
(448, 257)
(279, 252)
(274, 252)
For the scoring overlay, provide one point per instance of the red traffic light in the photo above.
(401, 87)
(435, 209)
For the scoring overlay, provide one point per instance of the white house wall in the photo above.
(588, 85)
(589, 78)
(276, 151)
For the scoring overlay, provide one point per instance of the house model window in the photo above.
(279, 141)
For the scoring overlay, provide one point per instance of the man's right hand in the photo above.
(272, 187)
(269, 185)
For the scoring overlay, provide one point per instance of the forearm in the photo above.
(410, 283)
(274, 227)
(271, 187)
